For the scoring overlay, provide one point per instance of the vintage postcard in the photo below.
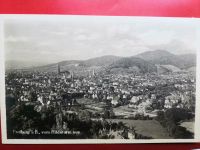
(99, 79)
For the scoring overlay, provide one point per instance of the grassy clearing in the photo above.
(189, 125)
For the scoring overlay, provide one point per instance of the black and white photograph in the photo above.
(99, 79)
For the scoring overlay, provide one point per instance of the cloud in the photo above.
(16, 39)
(175, 46)
(157, 36)
(83, 37)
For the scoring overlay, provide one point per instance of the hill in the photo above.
(142, 63)
(171, 68)
(163, 57)
(80, 67)
(191, 69)
(132, 64)
(100, 61)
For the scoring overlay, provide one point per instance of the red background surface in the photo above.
(164, 8)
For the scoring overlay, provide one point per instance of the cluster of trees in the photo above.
(171, 118)
(94, 129)
(24, 117)
(128, 62)
(140, 117)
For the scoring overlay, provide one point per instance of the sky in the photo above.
(39, 40)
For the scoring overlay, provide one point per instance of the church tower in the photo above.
(58, 69)
(72, 75)
(93, 72)
(158, 69)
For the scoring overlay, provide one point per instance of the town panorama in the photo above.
(108, 97)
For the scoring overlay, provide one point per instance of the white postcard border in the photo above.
(91, 141)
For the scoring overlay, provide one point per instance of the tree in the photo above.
(23, 117)
(33, 96)
(170, 120)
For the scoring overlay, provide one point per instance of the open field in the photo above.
(124, 111)
(92, 105)
(150, 128)
(85, 101)
(189, 125)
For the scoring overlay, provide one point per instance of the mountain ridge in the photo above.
(163, 57)
(143, 62)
